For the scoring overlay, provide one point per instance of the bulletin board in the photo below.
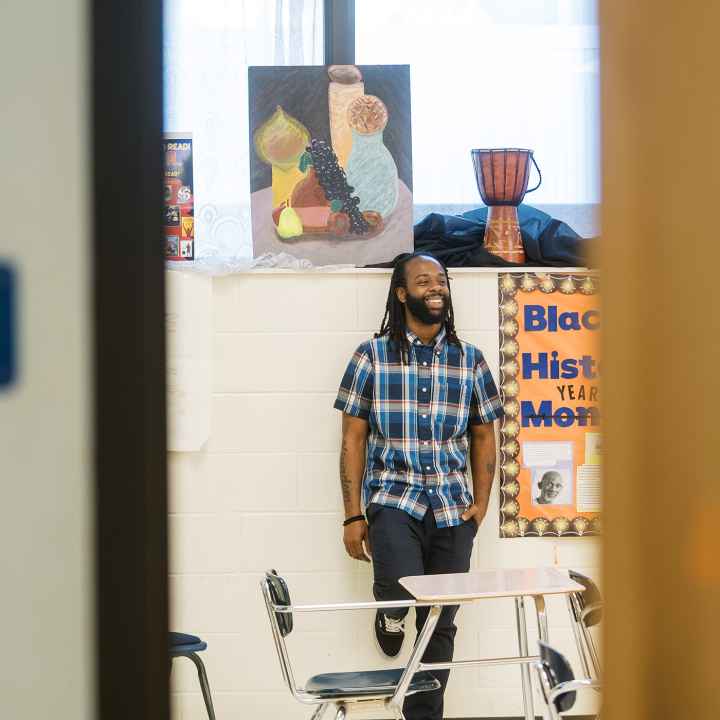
(551, 444)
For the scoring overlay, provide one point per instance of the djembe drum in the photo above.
(502, 178)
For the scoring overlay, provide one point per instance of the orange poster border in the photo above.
(512, 523)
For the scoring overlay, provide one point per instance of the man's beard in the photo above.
(423, 313)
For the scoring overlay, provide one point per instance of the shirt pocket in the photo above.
(457, 405)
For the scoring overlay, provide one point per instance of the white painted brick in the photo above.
(288, 302)
(293, 543)
(464, 298)
(254, 481)
(284, 362)
(202, 604)
(469, 620)
(280, 423)
(190, 487)
(203, 482)
(314, 653)
(318, 482)
(487, 300)
(318, 424)
(204, 543)
(183, 677)
(576, 552)
(517, 553)
(488, 343)
(330, 587)
(363, 570)
(466, 649)
(493, 613)
(224, 299)
(273, 426)
(488, 532)
(463, 701)
(255, 423)
(176, 705)
(241, 706)
(372, 293)
(233, 665)
(187, 706)
(502, 643)
(358, 633)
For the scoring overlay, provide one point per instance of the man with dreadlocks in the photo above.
(417, 402)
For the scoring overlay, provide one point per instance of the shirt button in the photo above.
(427, 467)
(424, 363)
(430, 492)
(425, 417)
(424, 389)
(426, 442)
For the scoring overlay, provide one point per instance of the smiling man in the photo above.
(550, 486)
(417, 403)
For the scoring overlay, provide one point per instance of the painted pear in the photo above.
(290, 225)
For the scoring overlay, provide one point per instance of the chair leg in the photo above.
(577, 633)
(592, 650)
(204, 685)
(319, 711)
(527, 691)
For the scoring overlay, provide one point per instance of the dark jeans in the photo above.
(404, 546)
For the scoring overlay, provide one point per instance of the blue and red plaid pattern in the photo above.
(419, 414)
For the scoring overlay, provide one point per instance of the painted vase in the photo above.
(371, 170)
(345, 85)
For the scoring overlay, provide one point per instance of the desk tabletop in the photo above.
(513, 582)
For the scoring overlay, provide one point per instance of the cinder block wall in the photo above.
(264, 492)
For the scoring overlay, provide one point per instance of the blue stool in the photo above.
(182, 645)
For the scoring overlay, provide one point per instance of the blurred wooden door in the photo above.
(661, 272)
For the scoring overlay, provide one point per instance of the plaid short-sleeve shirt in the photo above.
(419, 414)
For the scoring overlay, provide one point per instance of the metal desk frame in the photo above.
(394, 704)
(535, 583)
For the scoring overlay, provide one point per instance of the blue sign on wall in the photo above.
(8, 350)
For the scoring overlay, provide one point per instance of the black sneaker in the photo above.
(389, 633)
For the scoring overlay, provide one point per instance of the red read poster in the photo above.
(179, 197)
(550, 440)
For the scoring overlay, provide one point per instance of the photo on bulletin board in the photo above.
(331, 162)
(550, 437)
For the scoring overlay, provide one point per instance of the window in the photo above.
(484, 73)
(493, 73)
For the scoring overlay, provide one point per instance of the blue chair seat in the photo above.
(368, 683)
(184, 644)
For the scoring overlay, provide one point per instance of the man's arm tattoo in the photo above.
(344, 479)
(490, 467)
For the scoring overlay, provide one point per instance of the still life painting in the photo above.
(331, 162)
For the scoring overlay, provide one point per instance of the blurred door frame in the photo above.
(125, 66)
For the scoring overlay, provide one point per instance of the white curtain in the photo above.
(207, 48)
